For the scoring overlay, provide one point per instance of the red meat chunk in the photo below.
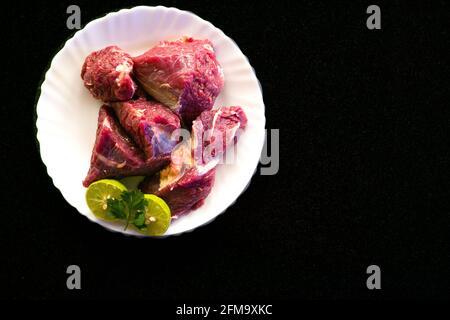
(182, 74)
(115, 155)
(150, 124)
(185, 194)
(107, 74)
(214, 131)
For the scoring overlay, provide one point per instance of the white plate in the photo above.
(67, 114)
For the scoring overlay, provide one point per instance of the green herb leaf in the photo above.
(116, 208)
(139, 220)
(130, 207)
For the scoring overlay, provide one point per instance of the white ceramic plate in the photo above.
(67, 114)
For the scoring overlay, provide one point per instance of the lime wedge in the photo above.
(99, 192)
(157, 216)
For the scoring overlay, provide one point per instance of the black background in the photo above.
(364, 178)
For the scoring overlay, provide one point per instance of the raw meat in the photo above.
(188, 180)
(185, 194)
(140, 93)
(115, 155)
(150, 124)
(214, 131)
(107, 74)
(182, 74)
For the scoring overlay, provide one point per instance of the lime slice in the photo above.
(157, 216)
(99, 192)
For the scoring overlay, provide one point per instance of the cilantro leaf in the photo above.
(116, 208)
(131, 207)
(139, 220)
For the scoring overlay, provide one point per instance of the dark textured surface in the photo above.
(364, 179)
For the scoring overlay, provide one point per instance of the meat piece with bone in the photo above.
(107, 74)
(182, 74)
(188, 180)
